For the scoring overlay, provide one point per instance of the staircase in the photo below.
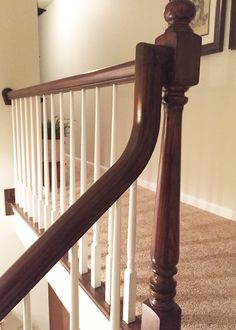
(166, 69)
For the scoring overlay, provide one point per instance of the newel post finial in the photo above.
(160, 311)
(179, 13)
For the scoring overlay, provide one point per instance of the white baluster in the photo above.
(33, 163)
(39, 163)
(83, 242)
(115, 274)
(129, 299)
(62, 158)
(28, 167)
(18, 148)
(74, 269)
(73, 253)
(27, 313)
(14, 132)
(19, 155)
(53, 163)
(72, 150)
(111, 210)
(72, 153)
(2, 322)
(96, 247)
(47, 214)
(23, 158)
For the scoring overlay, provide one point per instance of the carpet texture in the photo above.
(206, 290)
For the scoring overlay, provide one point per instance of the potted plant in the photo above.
(57, 135)
(58, 128)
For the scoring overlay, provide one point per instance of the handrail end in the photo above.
(5, 95)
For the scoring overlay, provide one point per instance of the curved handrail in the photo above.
(150, 72)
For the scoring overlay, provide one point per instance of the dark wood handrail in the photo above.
(150, 75)
(118, 74)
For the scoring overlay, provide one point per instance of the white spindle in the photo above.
(28, 167)
(33, 163)
(27, 313)
(74, 313)
(83, 164)
(2, 322)
(96, 247)
(72, 150)
(15, 151)
(18, 147)
(115, 274)
(53, 163)
(23, 158)
(111, 210)
(83, 242)
(47, 214)
(72, 153)
(62, 158)
(73, 253)
(130, 273)
(39, 163)
(19, 155)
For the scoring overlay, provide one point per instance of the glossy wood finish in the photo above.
(58, 315)
(5, 96)
(9, 196)
(118, 74)
(161, 311)
(150, 70)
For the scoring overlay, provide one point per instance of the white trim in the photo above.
(202, 204)
(146, 184)
(229, 214)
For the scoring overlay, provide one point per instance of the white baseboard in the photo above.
(197, 202)
(188, 199)
(210, 207)
(146, 184)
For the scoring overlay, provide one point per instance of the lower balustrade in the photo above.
(120, 288)
(47, 184)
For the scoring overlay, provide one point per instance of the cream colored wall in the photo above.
(209, 134)
(77, 36)
(19, 67)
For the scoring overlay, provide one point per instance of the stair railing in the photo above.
(173, 64)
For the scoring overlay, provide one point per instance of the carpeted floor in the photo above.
(206, 276)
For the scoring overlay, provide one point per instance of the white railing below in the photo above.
(45, 189)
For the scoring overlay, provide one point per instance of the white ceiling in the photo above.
(44, 3)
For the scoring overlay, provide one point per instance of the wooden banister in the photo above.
(150, 74)
(161, 311)
(118, 74)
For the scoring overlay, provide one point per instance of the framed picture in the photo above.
(232, 35)
(209, 23)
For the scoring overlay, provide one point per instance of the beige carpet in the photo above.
(206, 276)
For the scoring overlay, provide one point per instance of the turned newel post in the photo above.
(160, 311)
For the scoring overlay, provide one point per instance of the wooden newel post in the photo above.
(160, 311)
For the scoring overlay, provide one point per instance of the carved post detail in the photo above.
(160, 311)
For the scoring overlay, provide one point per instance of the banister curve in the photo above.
(150, 74)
